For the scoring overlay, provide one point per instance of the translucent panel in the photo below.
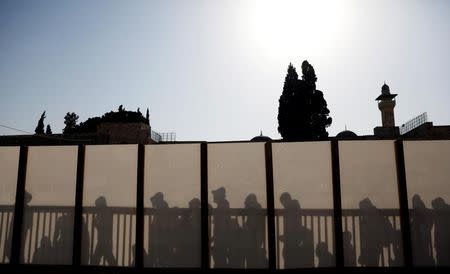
(428, 183)
(371, 221)
(9, 164)
(109, 205)
(172, 206)
(303, 204)
(237, 195)
(47, 228)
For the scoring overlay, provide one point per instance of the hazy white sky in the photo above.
(214, 70)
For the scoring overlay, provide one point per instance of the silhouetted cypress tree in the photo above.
(302, 111)
(147, 117)
(285, 112)
(70, 120)
(40, 126)
(48, 130)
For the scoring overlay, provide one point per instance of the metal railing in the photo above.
(413, 123)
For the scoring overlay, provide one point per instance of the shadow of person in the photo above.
(397, 249)
(62, 239)
(160, 245)
(254, 234)
(85, 242)
(291, 231)
(349, 249)
(27, 225)
(306, 249)
(133, 254)
(221, 229)
(43, 254)
(190, 240)
(175, 237)
(326, 258)
(421, 225)
(103, 222)
(298, 249)
(375, 232)
(26, 228)
(236, 253)
(441, 231)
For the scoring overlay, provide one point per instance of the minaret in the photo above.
(386, 104)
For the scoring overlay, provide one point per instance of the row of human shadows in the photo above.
(243, 246)
(428, 222)
(377, 232)
(174, 238)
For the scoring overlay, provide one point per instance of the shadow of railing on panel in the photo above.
(44, 222)
(6, 221)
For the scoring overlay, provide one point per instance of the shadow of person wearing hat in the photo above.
(221, 229)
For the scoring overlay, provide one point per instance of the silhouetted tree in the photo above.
(48, 130)
(40, 126)
(302, 111)
(70, 120)
(121, 108)
(147, 117)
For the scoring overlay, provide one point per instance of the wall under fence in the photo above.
(330, 204)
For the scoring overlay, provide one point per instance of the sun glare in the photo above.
(293, 27)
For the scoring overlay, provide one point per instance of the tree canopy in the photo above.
(90, 125)
(302, 112)
(48, 130)
(40, 126)
(70, 120)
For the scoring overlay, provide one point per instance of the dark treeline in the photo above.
(90, 125)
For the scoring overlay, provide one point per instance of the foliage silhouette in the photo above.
(40, 126)
(91, 124)
(70, 120)
(48, 130)
(302, 112)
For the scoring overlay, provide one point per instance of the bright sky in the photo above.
(214, 70)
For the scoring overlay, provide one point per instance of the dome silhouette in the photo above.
(346, 134)
(261, 138)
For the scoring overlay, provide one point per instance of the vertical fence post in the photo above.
(18, 209)
(337, 205)
(270, 207)
(403, 200)
(139, 252)
(205, 257)
(78, 216)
